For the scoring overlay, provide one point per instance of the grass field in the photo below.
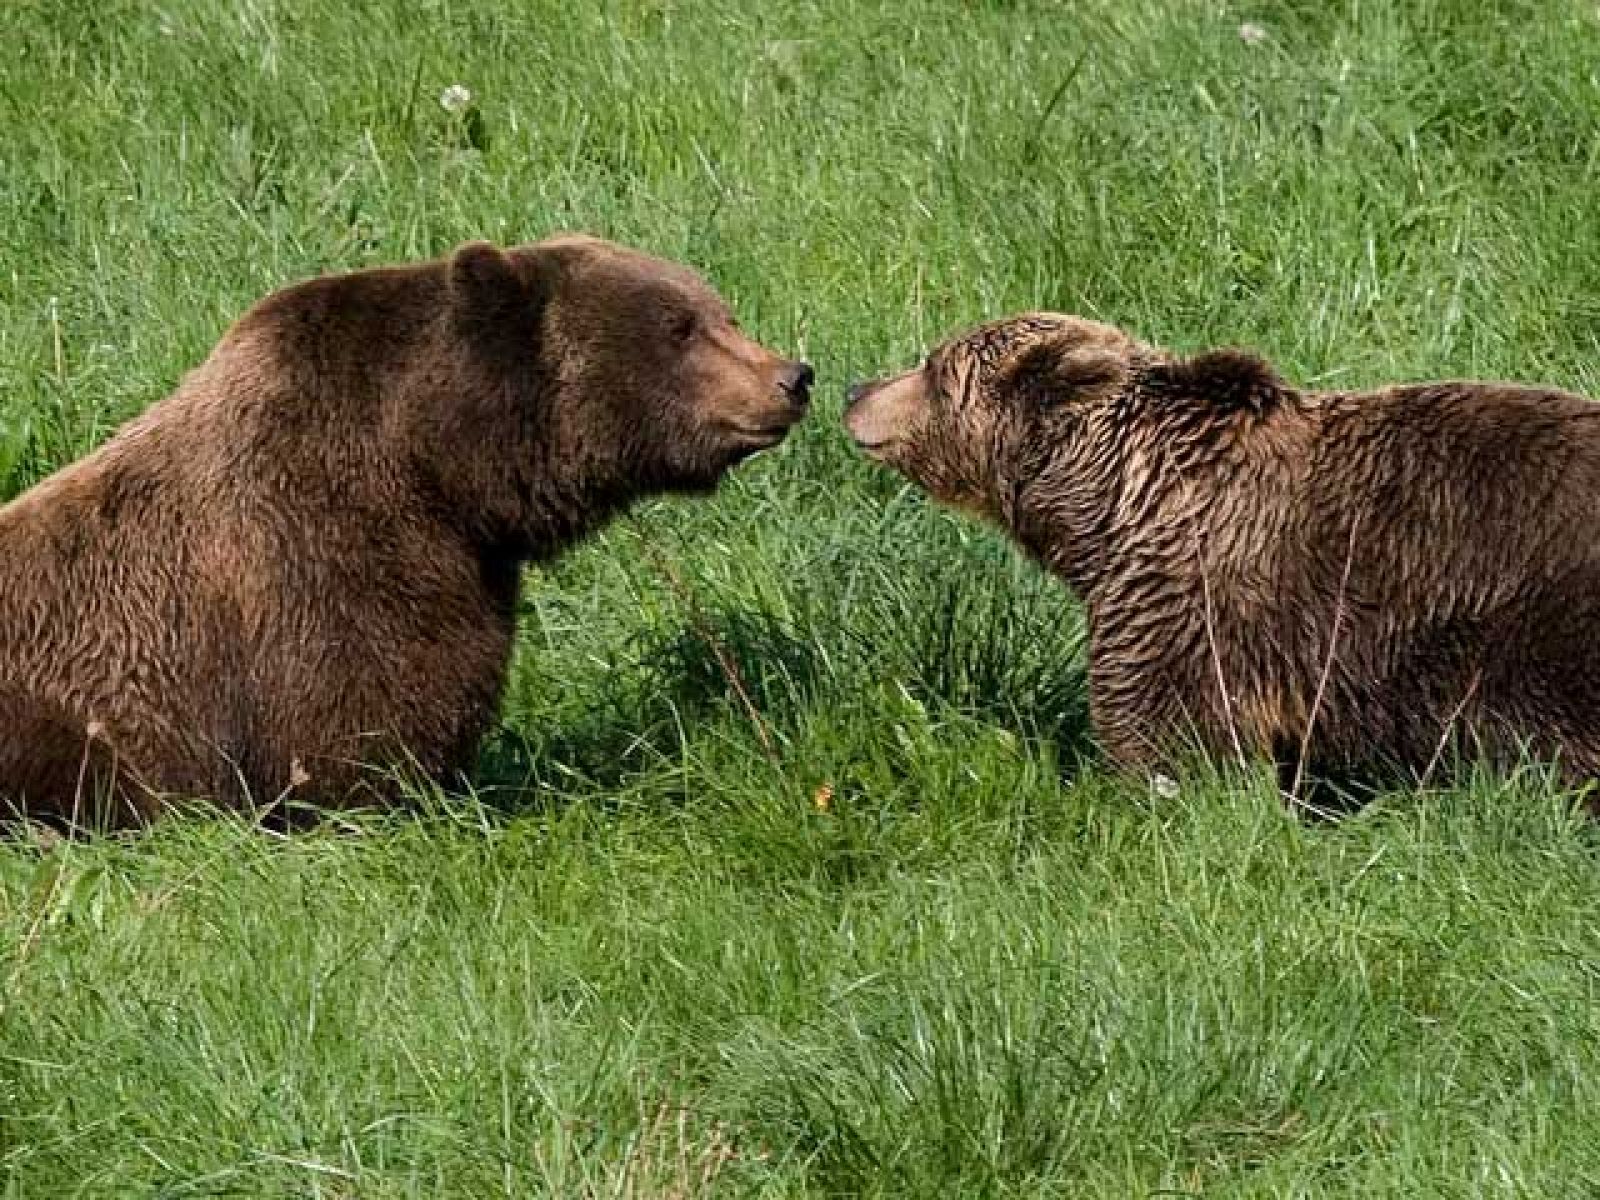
(902, 937)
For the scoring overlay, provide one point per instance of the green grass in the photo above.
(642, 962)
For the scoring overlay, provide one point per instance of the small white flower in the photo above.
(1252, 34)
(455, 99)
(1164, 786)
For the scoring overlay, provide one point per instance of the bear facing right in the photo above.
(299, 573)
(1352, 584)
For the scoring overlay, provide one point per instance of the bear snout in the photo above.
(860, 430)
(884, 412)
(795, 380)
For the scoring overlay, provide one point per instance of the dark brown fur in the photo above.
(304, 563)
(1345, 582)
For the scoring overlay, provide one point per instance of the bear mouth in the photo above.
(870, 436)
(877, 450)
(759, 437)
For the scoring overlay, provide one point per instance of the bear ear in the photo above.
(1231, 379)
(489, 294)
(1056, 371)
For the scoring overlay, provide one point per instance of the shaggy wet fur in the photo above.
(304, 564)
(1349, 583)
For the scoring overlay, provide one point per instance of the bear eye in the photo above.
(684, 325)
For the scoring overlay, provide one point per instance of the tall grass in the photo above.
(879, 925)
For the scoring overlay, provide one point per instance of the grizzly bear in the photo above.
(300, 571)
(1360, 586)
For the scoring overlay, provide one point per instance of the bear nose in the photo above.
(857, 392)
(796, 379)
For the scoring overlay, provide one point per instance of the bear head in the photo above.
(966, 422)
(582, 374)
(1063, 431)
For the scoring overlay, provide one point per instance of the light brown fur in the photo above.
(1345, 582)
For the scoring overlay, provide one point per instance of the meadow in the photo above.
(792, 870)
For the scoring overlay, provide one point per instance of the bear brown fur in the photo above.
(304, 563)
(1348, 582)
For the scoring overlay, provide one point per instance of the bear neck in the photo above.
(488, 450)
(1060, 507)
(558, 507)
(1133, 489)
(523, 499)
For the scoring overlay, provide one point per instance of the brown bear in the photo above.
(304, 564)
(1349, 583)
